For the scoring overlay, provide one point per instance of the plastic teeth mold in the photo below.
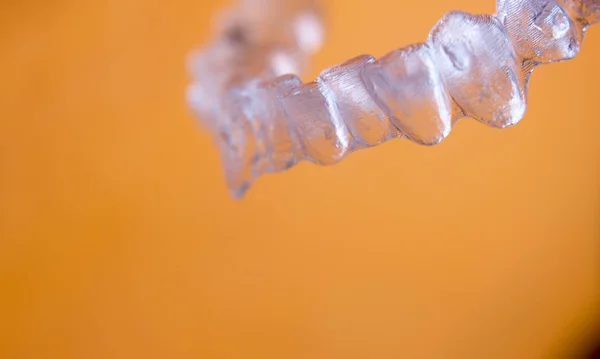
(264, 119)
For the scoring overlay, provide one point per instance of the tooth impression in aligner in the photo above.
(471, 65)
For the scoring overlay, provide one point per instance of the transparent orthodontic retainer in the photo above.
(265, 120)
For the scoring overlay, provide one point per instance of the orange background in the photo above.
(118, 238)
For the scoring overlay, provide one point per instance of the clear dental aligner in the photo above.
(266, 120)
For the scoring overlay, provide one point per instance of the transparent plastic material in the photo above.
(265, 120)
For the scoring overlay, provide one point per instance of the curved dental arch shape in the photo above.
(265, 119)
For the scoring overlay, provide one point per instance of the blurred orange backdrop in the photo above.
(118, 238)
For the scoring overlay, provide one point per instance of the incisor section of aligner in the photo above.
(284, 149)
(254, 135)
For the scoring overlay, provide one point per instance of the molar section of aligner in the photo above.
(479, 68)
(344, 89)
(317, 124)
(406, 84)
(541, 31)
(587, 12)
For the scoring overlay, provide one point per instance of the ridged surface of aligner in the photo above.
(406, 84)
(479, 67)
(365, 120)
(550, 35)
(586, 12)
(273, 147)
(315, 120)
(283, 147)
(471, 65)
